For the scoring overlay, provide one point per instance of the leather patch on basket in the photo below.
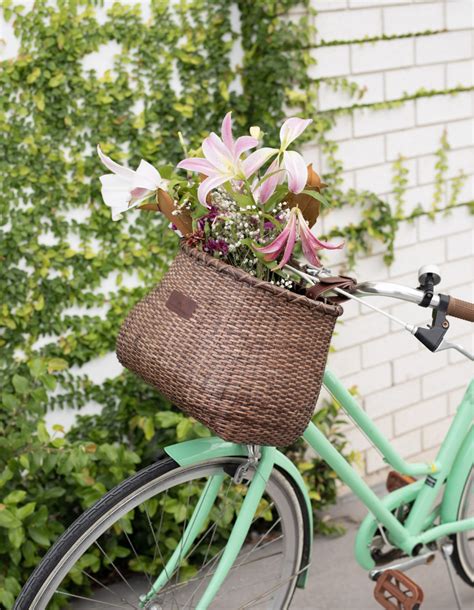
(180, 304)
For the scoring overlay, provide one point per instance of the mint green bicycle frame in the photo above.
(450, 469)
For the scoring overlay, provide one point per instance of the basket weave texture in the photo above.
(242, 356)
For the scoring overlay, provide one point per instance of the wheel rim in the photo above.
(263, 575)
(466, 539)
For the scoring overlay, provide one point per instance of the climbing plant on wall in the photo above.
(68, 275)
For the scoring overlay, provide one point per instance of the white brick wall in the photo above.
(411, 393)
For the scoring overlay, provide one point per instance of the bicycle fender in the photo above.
(456, 479)
(204, 449)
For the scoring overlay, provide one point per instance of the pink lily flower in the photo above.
(126, 188)
(222, 159)
(284, 243)
(291, 163)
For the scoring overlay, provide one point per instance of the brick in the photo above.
(410, 80)
(331, 61)
(383, 55)
(393, 399)
(433, 434)
(387, 348)
(362, 152)
(368, 122)
(359, 442)
(409, 258)
(455, 398)
(342, 129)
(361, 330)
(377, 179)
(363, 3)
(339, 217)
(407, 233)
(408, 444)
(460, 74)
(370, 380)
(349, 25)
(371, 85)
(459, 15)
(460, 245)
(466, 340)
(458, 220)
(420, 414)
(414, 365)
(466, 193)
(455, 273)
(413, 142)
(374, 461)
(417, 196)
(328, 5)
(460, 133)
(447, 379)
(408, 19)
(346, 361)
(444, 47)
(441, 108)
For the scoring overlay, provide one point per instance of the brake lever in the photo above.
(459, 348)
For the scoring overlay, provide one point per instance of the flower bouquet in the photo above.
(228, 335)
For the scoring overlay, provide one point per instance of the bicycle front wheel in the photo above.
(112, 555)
(463, 555)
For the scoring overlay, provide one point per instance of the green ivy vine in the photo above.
(69, 275)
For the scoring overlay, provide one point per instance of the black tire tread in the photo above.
(456, 561)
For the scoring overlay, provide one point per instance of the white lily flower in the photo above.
(126, 188)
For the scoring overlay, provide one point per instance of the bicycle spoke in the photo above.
(96, 601)
(104, 586)
(138, 558)
(117, 570)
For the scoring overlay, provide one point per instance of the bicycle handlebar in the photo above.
(461, 309)
(396, 291)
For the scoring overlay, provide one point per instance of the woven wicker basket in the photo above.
(242, 356)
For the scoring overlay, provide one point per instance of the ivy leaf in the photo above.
(42, 432)
(21, 384)
(57, 364)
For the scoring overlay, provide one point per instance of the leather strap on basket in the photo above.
(326, 284)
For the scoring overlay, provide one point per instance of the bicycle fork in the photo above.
(262, 469)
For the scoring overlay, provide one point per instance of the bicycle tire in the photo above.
(463, 559)
(37, 592)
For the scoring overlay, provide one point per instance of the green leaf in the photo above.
(39, 536)
(42, 432)
(317, 196)
(37, 367)
(16, 536)
(25, 511)
(7, 598)
(14, 497)
(57, 364)
(8, 519)
(10, 401)
(21, 384)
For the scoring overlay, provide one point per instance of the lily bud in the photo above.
(255, 132)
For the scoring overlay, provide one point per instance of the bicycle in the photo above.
(243, 512)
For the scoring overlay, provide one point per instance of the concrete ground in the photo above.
(336, 582)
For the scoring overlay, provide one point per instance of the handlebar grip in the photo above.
(461, 309)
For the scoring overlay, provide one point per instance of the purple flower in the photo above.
(216, 245)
